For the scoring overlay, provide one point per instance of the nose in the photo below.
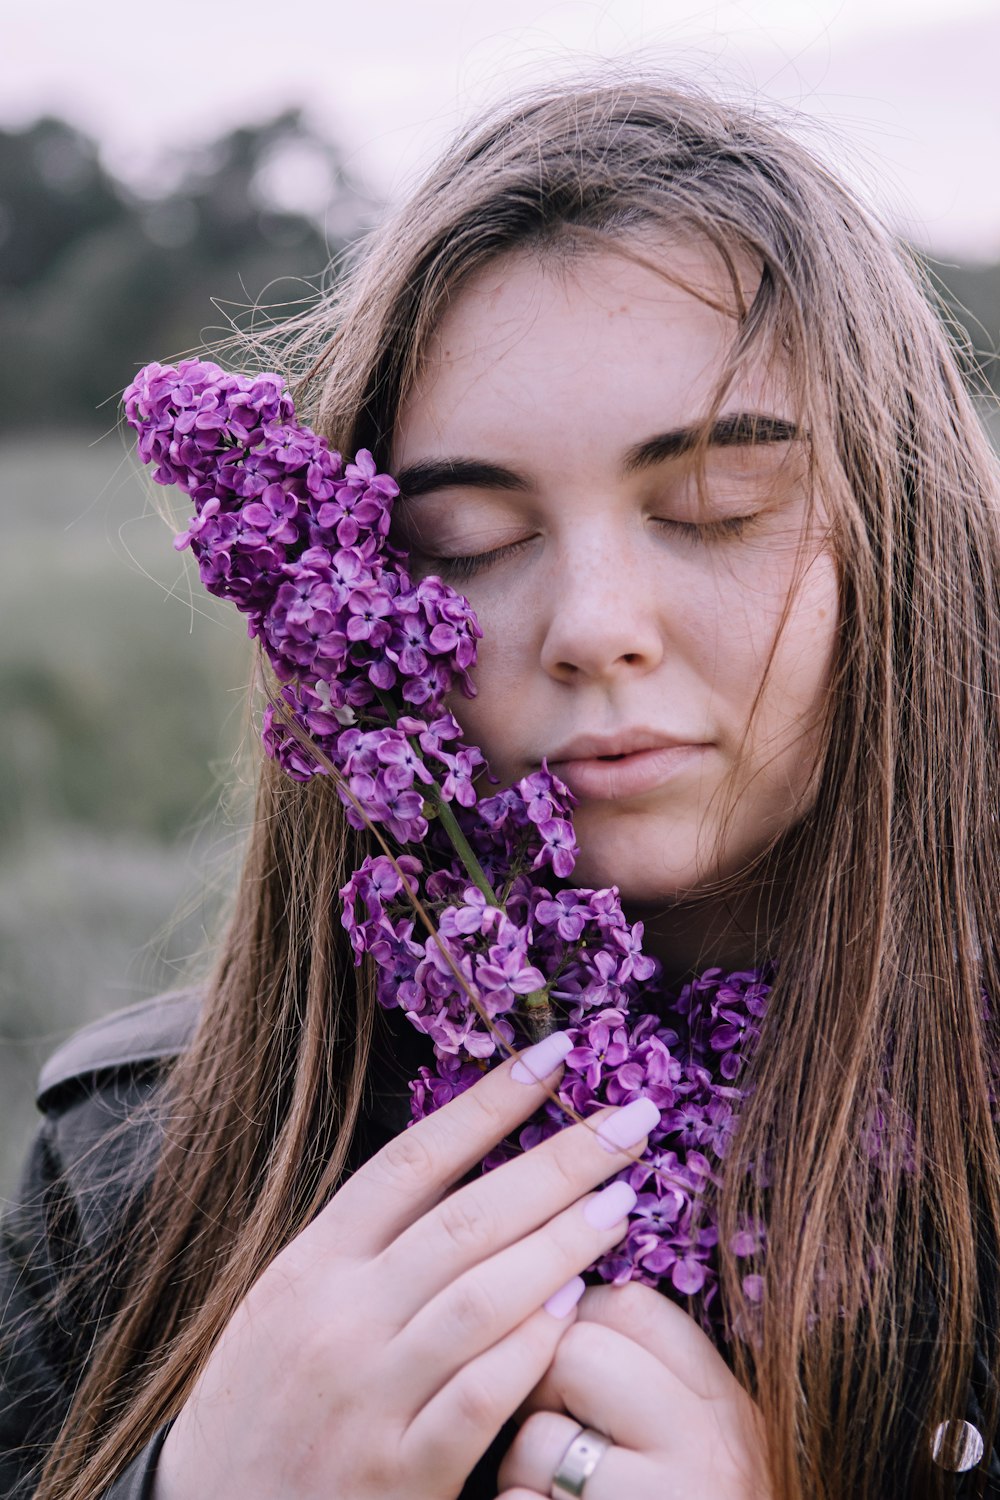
(604, 620)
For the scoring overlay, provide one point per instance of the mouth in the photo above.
(630, 764)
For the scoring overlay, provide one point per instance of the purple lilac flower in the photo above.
(364, 657)
(525, 827)
(618, 1056)
(297, 539)
(370, 891)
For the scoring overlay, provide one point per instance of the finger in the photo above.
(541, 1398)
(480, 1307)
(453, 1430)
(611, 1383)
(408, 1176)
(533, 1459)
(503, 1206)
(608, 1382)
(649, 1318)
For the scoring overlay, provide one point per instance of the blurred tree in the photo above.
(98, 280)
(95, 279)
(53, 192)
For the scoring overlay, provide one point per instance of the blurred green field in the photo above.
(123, 697)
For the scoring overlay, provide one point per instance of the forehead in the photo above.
(608, 343)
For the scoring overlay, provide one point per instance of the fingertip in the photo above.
(611, 1206)
(563, 1301)
(539, 1061)
(629, 1125)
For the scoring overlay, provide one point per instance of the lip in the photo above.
(643, 760)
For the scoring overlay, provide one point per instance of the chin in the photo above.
(657, 862)
(637, 866)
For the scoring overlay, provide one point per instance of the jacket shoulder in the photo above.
(138, 1037)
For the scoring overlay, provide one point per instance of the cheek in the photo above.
(808, 643)
(790, 711)
(759, 632)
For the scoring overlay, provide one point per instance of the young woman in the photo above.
(677, 416)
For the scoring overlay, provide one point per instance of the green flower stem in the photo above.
(539, 1015)
(449, 822)
(391, 711)
(462, 846)
(537, 1006)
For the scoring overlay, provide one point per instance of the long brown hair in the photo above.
(886, 951)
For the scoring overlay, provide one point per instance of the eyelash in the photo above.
(709, 531)
(476, 562)
(467, 567)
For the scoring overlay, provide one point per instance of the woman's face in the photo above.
(627, 619)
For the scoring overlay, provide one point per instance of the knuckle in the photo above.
(584, 1344)
(628, 1306)
(475, 1403)
(407, 1161)
(537, 1435)
(322, 1355)
(471, 1306)
(466, 1224)
(378, 1472)
(491, 1118)
(565, 1234)
(565, 1167)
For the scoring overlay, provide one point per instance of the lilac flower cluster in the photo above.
(297, 539)
(619, 1054)
(365, 658)
(572, 951)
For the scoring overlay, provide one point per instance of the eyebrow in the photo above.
(737, 431)
(741, 430)
(445, 473)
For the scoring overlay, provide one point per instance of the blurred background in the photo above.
(166, 174)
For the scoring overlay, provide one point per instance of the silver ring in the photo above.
(578, 1463)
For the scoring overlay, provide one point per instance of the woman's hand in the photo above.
(381, 1352)
(637, 1368)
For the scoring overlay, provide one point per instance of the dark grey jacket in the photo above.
(98, 1142)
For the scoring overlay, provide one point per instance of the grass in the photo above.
(123, 693)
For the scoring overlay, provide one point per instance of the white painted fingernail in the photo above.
(628, 1125)
(543, 1058)
(610, 1206)
(562, 1302)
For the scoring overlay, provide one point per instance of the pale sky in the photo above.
(905, 92)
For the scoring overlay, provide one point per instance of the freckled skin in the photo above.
(618, 605)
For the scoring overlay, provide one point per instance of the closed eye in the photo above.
(450, 568)
(730, 528)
